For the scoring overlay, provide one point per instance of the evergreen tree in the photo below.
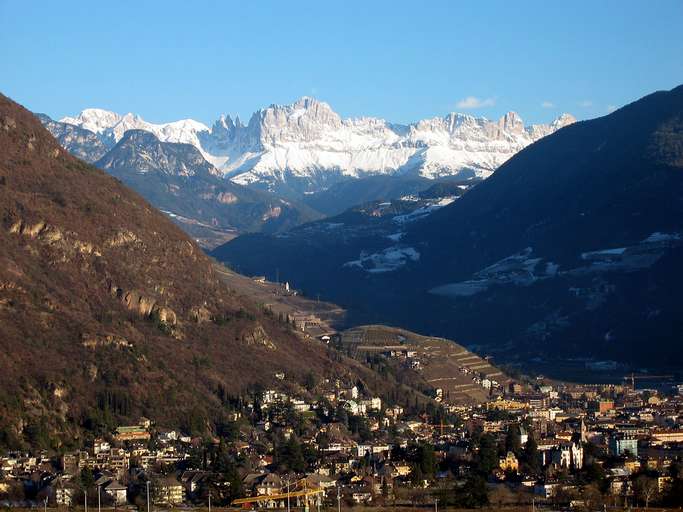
(87, 478)
(309, 381)
(531, 457)
(416, 475)
(290, 456)
(487, 459)
(426, 460)
(473, 494)
(512, 440)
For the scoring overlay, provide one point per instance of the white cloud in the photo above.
(585, 103)
(474, 102)
(611, 108)
(548, 104)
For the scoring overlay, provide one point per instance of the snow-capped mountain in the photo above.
(114, 125)
(306, 147)
(111, 126)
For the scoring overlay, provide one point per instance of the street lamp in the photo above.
(288, 509)
(99, 498)
(147, 484)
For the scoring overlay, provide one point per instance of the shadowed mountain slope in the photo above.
(567, 250)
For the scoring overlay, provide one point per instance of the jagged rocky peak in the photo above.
(305, 120)
(538, 131)
(224, 128)
(112, 126)
(291, 147)
(450, 123)
(563, 120)
(511, 122)
(223, 124)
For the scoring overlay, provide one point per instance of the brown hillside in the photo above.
(108, 311)
(439, 363)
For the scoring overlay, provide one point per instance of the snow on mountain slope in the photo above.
(112, 126)
(96, 120)
(306, 146)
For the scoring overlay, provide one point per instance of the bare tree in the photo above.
(646, 488)
(593, 497)
(501, 495)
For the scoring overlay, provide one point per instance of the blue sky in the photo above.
(399, 60)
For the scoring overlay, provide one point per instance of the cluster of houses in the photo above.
(633, 436)
(628, 434)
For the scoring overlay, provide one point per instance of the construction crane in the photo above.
(263, 499)
(644, 376)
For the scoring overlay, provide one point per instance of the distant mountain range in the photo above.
(306, 147)
(290, 164)
(569, 250)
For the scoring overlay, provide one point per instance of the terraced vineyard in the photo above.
(430, 363)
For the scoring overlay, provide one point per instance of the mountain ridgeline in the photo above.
(568, 250)
(306, 147)
(290, 164)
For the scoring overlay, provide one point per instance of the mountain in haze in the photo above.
(176, 178)
(109, 312)
(306, 147)
(569, 250)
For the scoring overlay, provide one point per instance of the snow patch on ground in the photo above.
(522, 269)
(388, 260)
(605, 252)
(662, 237)
(422, 212)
